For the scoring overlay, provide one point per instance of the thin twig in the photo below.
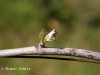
(42, 50)
(51, 51)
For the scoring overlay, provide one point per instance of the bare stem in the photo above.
(42, 50)
(82, 53)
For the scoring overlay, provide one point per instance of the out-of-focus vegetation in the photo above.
(76, 21)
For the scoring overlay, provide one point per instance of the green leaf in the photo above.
(42, 34)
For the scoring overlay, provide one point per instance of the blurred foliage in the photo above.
(76, 21)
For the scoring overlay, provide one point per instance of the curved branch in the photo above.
(51, 51)
(40, 50)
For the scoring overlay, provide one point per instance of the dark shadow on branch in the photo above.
(56, 58)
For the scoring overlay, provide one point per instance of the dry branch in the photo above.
(42, 50)
(51, 51)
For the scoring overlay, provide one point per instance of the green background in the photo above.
(76, 21)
